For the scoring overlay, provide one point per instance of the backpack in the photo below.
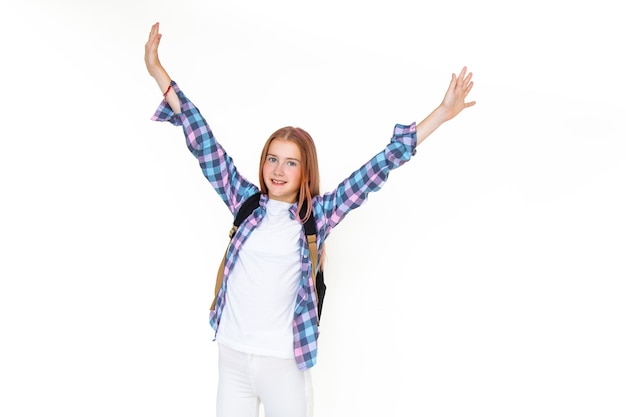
(246, 209)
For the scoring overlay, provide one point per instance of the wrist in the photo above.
(161, 77)
(440, 115)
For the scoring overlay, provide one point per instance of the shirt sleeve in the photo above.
(354, 190)
(217, 166)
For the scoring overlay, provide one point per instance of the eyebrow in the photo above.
(276, 156)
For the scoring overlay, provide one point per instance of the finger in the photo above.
(467, 80)
(154, 31)
(452, 82)
(153, 41)
(462, 73)
(468, 88)
(150, 37)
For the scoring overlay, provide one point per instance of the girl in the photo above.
(265, 313)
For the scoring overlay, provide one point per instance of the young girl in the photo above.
(265, 314)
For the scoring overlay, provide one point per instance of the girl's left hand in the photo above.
(454, 100)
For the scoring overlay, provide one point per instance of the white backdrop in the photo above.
(485, 279)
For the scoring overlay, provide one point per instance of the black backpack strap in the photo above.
(247, 208)
(318, 278)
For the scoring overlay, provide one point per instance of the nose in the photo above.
(278, 169)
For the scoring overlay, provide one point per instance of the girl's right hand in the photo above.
(156, 70)
(151, 56)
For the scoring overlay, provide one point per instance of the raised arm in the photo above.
(453, 103)
(156, 70)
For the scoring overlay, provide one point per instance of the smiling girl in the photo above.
(265, 315)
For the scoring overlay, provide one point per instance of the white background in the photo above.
(485, 279)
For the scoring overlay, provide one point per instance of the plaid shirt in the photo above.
(329, 209)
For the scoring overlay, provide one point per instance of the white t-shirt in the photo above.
(259, 310)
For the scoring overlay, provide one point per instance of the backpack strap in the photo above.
(318, 277)
(246, 209)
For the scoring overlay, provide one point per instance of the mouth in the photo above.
(278, 182)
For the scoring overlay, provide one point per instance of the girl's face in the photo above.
(282, 171)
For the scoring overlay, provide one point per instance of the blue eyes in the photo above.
(274, 160)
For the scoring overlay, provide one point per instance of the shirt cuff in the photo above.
(164, 112)
(407, 135)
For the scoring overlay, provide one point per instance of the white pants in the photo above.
(246, 381)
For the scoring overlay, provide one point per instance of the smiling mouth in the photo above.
(278, 182)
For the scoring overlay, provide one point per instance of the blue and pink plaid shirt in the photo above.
(329, 209)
